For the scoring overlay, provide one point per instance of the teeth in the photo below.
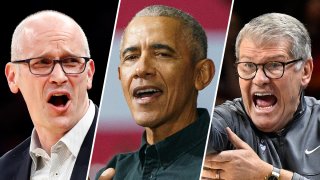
(147, 91)
(262, 94)
(268, 107)
(58, 95)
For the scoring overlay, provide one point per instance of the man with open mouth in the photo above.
(163, 65)
(272, 131)
(51, 67)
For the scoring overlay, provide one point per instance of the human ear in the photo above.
(204, 73)
(11, 75)
(90, 73)
(307, 72)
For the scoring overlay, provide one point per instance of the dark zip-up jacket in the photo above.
(296, 148)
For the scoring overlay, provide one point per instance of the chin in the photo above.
(146, 121)
(63, 122)
(263, 126)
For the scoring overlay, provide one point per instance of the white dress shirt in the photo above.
(59, 165)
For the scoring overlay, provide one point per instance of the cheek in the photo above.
(179, 84)
(244, 88)
(77, 85)
(288, 84)
(31, 85)
(33, 92)
(125, 88)
(292, 88)
(80, 83)
(125, 82)
(245, 93)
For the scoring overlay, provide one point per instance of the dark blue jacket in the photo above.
(16, 164)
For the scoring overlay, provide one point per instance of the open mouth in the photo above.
(264, 100)
(148, 92)
(58, 100)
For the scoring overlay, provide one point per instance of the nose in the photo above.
(145, 67)
(57, 75)
(260, 77)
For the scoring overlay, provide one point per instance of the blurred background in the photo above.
(117, 132)
(307, 11)
(97, 21)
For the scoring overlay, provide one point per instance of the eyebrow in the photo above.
(277, 57)
(163, 46)
(153, 46)
(268, 58)
(132, 48)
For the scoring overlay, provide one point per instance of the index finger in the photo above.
(223, 156)
(236, 141)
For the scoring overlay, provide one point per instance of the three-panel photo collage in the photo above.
(160, 90)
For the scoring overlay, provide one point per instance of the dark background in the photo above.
(97, 20)
(307, 11)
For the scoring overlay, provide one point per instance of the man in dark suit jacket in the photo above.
(16, 164)
(51, 67)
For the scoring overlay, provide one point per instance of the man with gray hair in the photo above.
(163, 65)
(51, 67)
(272, 131)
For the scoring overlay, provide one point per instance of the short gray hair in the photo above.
(274, 27)
(193, 32)
(18, 32)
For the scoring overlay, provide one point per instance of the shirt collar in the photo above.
(170, 149)
(36, 151)
(72, 140)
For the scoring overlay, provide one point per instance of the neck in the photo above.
(49, 135)
(48, 139)
(172, 126)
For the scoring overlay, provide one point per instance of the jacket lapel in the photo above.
(81, 166)
(23, 171)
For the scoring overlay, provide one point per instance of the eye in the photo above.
(72, 61)
(40, 62)
(43, 61)
(163, 54)
(274, 65)
(131, 57)
(248, 65)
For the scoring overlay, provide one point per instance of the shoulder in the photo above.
(17, 152)
(229, 108)
(124, 158)
(312, 102)
(312, 106)
(14, 158)
(312, 109)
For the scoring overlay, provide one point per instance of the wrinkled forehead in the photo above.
(267, 42)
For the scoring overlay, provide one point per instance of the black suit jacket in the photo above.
(16, 164)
